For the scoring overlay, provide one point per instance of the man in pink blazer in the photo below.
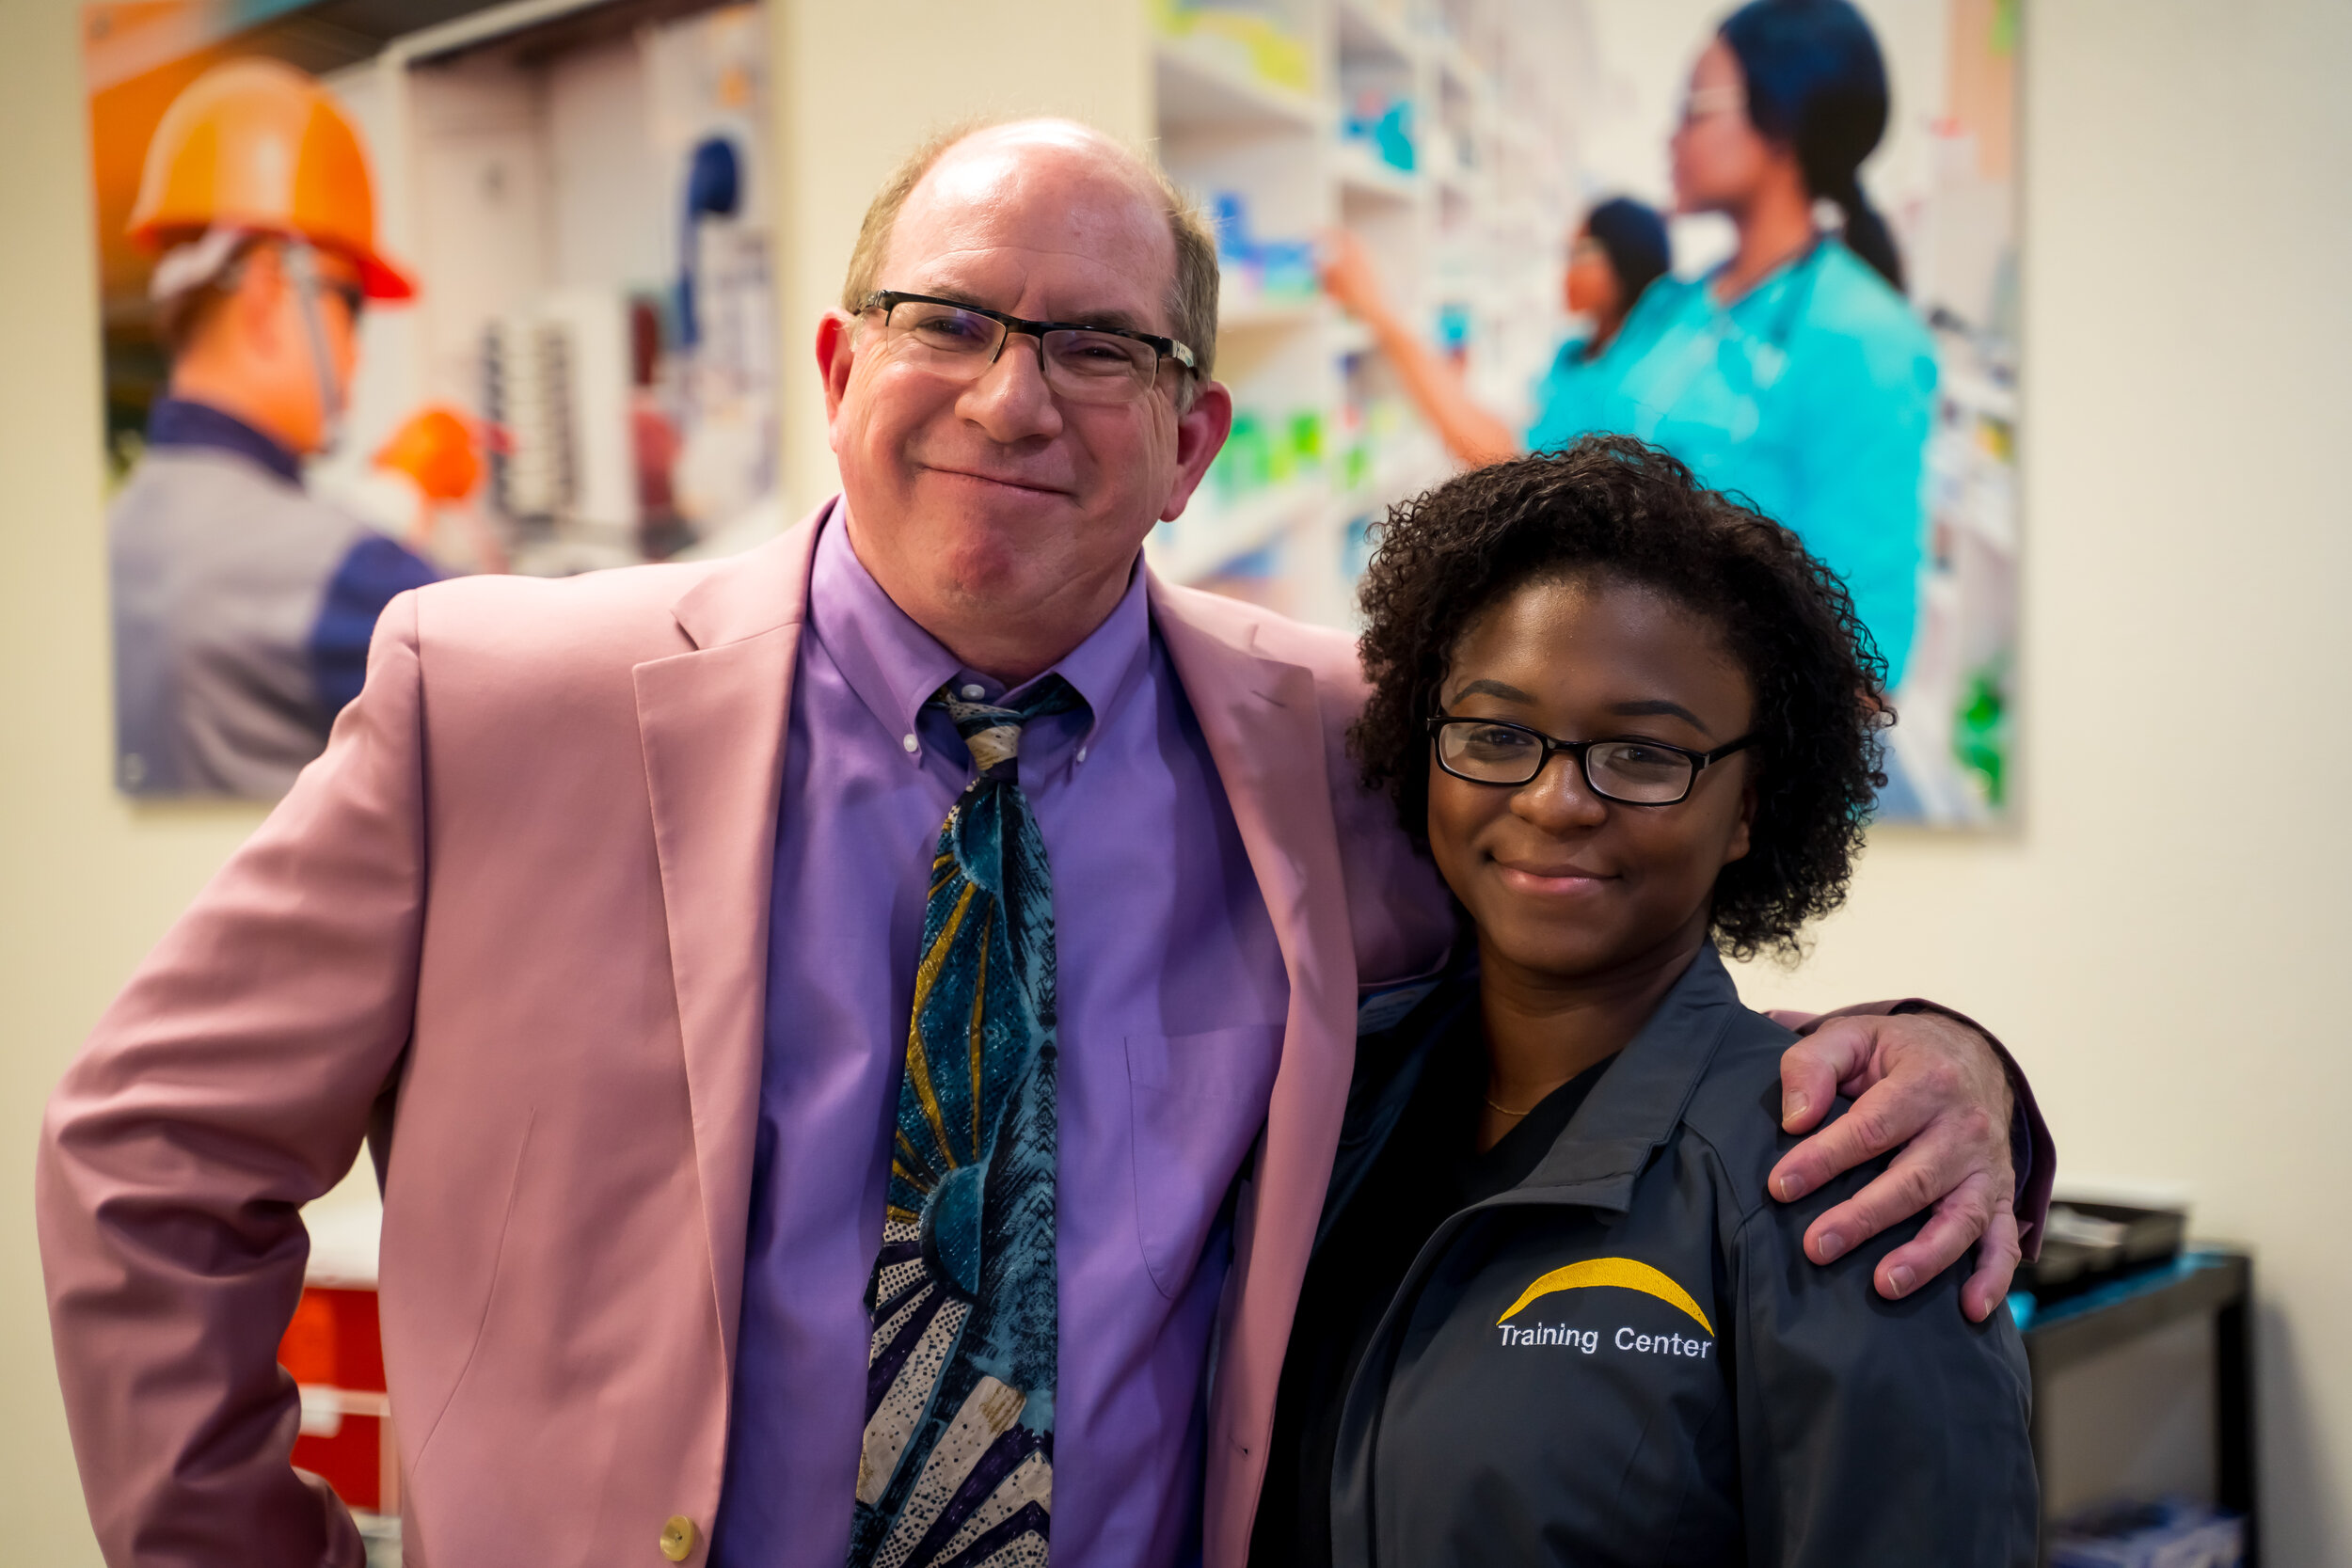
(596, 921)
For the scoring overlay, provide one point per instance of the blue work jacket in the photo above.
(1625, 1359)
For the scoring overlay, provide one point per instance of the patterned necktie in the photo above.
(958, 1467)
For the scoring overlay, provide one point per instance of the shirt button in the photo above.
(912, 744)
(678, 1538)
(974, 693)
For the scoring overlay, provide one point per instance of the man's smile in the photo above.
(1004, 481)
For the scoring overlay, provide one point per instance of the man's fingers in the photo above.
(1997, 1265)
(1905, 1188)
(1811, 1070)
(1877, 1122)
(1963, 1215)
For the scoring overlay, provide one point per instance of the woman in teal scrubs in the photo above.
(1795, 374)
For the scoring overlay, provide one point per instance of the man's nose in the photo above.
(1011, 400)
(1558, 799)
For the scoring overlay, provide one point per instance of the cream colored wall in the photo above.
(2154, 945)
(87, 883)
(2158, 943)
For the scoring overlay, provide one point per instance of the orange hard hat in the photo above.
(254, 144)
(439, 449)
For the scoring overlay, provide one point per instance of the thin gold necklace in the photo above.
(1506, 1110)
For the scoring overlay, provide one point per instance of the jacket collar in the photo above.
(186, 422)
(1261, 716)
(1639, 1101)
(1632, 1111)
(712, 721)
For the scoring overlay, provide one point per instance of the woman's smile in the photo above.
(1549, 882)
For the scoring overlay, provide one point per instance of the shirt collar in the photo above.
(1773, 284)
(184, 423)
(896, 667)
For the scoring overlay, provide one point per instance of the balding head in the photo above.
(971, 162)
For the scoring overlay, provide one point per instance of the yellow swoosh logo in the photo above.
(1623, 1273)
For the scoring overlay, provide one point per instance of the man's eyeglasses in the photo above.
(1631, 772)
(1085, 364)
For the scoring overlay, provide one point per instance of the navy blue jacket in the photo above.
(1628, 1360)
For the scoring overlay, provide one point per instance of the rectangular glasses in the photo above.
(1085, 364)
(1631, 772)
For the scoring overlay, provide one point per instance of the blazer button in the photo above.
(678, 1538)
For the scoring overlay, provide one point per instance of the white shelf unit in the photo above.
(1470, 241)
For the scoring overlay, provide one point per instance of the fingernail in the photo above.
(1832, 1244)
(1900, 1277)
(1791, 1188)
(1792, 1108)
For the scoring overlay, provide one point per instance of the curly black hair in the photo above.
(1628, 512)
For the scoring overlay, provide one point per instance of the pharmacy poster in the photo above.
(1901, 467)
(400, 293)
(1556, 203)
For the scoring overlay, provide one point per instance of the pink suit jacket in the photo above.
(518, 913)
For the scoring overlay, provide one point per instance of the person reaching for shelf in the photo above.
(1619, 250)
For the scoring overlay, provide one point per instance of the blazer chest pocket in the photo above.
(1198, 1101)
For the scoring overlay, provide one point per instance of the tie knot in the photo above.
(992, 731)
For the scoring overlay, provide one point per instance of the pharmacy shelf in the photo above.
(1364, 178)
(1211, 536)
(1201, 88)
(1246, 314)
(1460, 73)
(1483, 220)
(1368, 35)
(1979, 394)
(1410, 468)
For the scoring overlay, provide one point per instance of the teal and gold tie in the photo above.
(957, 1466)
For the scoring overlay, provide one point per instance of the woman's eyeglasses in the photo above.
(1631, 772)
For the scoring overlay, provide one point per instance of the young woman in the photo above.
(1619, 250)
(1551, 1315)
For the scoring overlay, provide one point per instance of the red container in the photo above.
(335, 1350)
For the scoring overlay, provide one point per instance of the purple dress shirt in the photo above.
(1172, 996)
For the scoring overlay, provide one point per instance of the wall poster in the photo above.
(1870, 406)
(393, 293)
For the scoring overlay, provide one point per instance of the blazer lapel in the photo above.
(712, 722)
(1266, 732)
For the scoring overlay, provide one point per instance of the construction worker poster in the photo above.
(393, 293)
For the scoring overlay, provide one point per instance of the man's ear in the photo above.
(837, 356)
(1200, 432)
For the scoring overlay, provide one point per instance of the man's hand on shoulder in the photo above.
(1934, 1089)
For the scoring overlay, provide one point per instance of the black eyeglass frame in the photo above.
(1579, 749)
(888, 300)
